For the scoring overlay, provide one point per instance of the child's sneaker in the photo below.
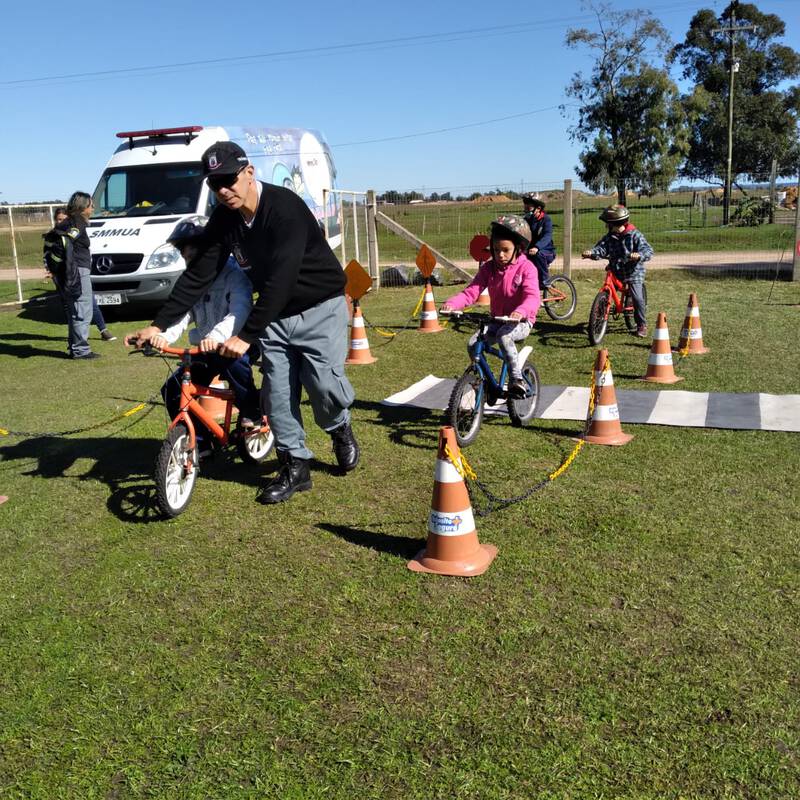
(517, 388)
(107, 336)
(641, 331)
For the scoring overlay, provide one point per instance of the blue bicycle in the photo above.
(478, 386)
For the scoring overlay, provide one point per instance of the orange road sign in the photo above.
(358, 280)
(479, 247)
(426, 261)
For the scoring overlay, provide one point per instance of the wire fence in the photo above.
(683, 224)
(27, 223)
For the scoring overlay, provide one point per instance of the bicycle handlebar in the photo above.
(148, 349)
(478, 317)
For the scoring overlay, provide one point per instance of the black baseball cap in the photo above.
(223, 158)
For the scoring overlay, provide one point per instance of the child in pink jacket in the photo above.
(513, 286)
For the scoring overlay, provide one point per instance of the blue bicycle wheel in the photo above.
(465, 409)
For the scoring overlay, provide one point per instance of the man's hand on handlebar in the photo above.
(234, 347)
(586, 254)
(142, 337)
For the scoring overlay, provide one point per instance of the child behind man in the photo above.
(219, 315)
(513, 285)
(627, 251)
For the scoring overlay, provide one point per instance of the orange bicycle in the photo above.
(178, 461)
(609, 303)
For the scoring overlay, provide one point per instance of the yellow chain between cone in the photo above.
(461, 464)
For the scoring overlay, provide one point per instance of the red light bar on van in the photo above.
(190, 131)
(158, 132)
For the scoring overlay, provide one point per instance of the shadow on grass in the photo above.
(406, 425)
(399, 546)
(128, 476)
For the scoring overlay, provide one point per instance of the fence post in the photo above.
(372, 240)
(772, 178)
(568, 227)
(796, 256)
(14, 253)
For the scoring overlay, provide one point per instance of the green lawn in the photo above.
(637, 636)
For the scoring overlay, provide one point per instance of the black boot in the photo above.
(293, 476)
(345, 447)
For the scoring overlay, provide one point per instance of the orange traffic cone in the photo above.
(216, 406)
(428, 318)
(691, 340)
(659, 362)
(453, 547)
(483, 299)
(605, 427)
(359, 344)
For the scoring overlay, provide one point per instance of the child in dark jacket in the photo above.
(627, 251)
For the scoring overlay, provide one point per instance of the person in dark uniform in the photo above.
(299, 317)
(542, 250)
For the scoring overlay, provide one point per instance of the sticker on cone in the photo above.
(691, 338)
(659, 362)
(428, 318)
(359, 344)
(605, 427)
(452, 547)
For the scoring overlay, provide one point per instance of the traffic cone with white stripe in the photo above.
(659, 362)
(359, 344)
(483, 299)
(428, 318)
(453, 547)
(605, 427)
(691, 339)
(216, 406)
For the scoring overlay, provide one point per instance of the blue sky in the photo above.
(367, 73)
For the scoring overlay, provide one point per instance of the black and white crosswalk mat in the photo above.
(744, 411)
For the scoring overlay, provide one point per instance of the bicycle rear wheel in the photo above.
(598, 318)
(627, 302)
(560, 297)
(521, 411)
(465, 409)
(255, 445)
(176, 471)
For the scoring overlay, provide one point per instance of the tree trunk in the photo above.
(621, 191)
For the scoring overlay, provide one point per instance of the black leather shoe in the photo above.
(87, 357)
(293, 476)
(345, 447)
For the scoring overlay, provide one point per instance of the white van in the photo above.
(154, 180)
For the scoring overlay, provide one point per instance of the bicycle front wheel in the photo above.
(521, 411)
(176, 471)
(560, 298)
(465, 409)
(598, 318)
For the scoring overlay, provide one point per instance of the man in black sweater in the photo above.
(299, 318)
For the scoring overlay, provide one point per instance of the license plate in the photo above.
(108, 299)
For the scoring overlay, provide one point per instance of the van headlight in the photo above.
(164, 256)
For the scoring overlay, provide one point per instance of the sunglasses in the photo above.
(217, 182)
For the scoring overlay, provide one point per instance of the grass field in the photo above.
(637, 636)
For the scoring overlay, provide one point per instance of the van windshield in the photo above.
(146, 191)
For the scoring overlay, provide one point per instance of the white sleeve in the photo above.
(239, 306)
(173, 333)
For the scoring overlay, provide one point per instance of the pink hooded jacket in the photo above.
(515, 288)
